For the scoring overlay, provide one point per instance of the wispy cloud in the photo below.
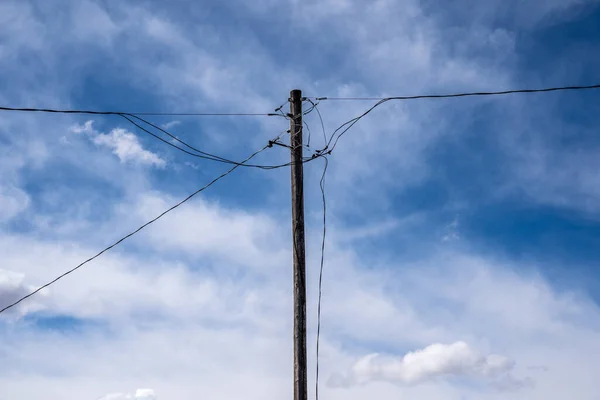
(452, 231)
(12, 201)
(170, 124)
(140, 394)
(201, 299)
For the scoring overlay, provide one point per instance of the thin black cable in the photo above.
(202, 154)
(382, 100)
(322, 185)
(132, 233)
(127, 116)
(441, 96)
(206, 157)
(310, 109)
(353, 121)
(180, 141)
(349, 125)
(95, 112)
(304, 113)
(315, 106)
(309, 133)
(206, 114)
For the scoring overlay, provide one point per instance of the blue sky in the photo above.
(464, 234)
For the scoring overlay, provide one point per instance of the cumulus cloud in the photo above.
(123, 144)
(195, 344)
(434, 361)
(140, 394)
(126, 146)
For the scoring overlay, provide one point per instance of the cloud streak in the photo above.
(200, 302)
(140, 394)
(123, 144)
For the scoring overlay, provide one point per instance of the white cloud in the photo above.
(127, 147)
(432, 362)
(452, 231)
(206, 303)
(170, 124)
(123, 143)
(182, 328)
(12, 288)
(249, 239)
(140, 394)
(191, 165)
(12, 202)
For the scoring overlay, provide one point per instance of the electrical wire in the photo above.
(309, 134)
(95, 112)
(129, 117)
(201, 154)
(350, 123)
(304, 113)
(442, 96)
(315, 106)
(132, 233)
(179, 140)
(322, 185)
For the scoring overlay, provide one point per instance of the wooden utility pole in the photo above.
(300, 384)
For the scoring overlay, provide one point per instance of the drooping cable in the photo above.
(197, 153)
(130, 116)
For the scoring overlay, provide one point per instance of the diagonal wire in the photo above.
(132, 233)
(177, 139)
(349, 124)
(201, 154)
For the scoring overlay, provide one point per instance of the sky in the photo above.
(463, 235)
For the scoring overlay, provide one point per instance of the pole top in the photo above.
(296, 94)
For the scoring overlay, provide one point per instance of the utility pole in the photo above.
(300, 384)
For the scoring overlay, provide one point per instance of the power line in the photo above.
(350, 123)
(96, 112)
(316, 108)
(129, 116)
(132, 233)
(322, 185)
(442, 96)
(201, 154)
(178, 140)
(207, 114)
(309, 134)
